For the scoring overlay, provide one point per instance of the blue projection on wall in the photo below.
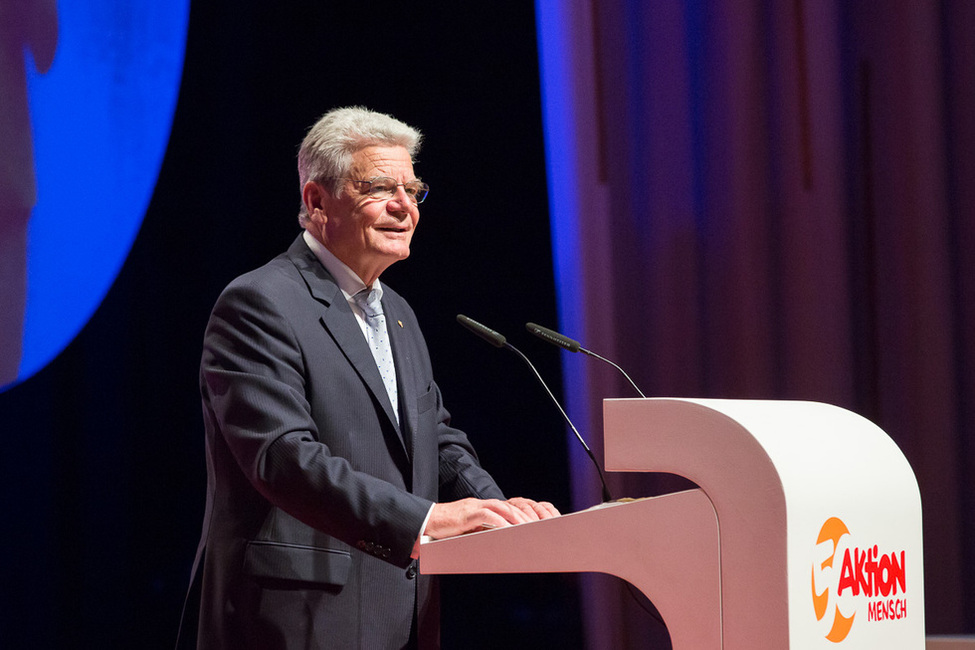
(100, 116)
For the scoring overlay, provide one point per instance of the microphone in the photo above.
(571, 345)
(483, 331)
(553, 337)
(498, 341)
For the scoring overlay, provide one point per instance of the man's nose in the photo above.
(401, 201)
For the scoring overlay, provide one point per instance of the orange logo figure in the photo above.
(832, 530)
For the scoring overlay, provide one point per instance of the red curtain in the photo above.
(773, 200)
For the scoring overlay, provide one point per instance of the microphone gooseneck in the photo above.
(571, 345)
(499, 341)
(555, 338)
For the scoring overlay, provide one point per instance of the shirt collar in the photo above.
(346, 278)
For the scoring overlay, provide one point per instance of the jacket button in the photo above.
(411, 572)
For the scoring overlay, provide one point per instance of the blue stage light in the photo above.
(100, 119)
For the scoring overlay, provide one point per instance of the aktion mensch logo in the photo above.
(856, 582)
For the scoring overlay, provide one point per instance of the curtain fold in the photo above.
(773, 200)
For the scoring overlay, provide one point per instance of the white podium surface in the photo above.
(805, 533)
(667, 547)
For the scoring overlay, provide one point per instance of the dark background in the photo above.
(103, 470)
(785, 187)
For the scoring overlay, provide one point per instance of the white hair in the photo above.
(326, 152)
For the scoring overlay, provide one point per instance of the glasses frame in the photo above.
(417, 198)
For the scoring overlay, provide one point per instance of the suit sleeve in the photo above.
(253, 380)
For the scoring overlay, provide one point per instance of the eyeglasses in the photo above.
(384, 187)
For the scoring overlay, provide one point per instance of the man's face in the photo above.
(369, 234)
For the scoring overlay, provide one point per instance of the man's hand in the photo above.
(468, 515)
(534, 509)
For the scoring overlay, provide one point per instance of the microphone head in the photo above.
(485, 332)
(553, 337)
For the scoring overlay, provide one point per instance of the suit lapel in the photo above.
(341, 324)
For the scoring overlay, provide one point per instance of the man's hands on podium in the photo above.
(470, 515)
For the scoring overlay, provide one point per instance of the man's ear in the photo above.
(313, 195)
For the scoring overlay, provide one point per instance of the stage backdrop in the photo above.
(773, 200)
(87, 95)
(102, 466)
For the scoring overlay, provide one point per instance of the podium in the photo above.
(804, 532)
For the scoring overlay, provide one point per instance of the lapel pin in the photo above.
(400, 324)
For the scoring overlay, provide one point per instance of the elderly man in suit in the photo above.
(329, 451)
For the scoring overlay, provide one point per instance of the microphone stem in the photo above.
(602, 478)
(632, 383)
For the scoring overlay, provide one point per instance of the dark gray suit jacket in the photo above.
(315, 496)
